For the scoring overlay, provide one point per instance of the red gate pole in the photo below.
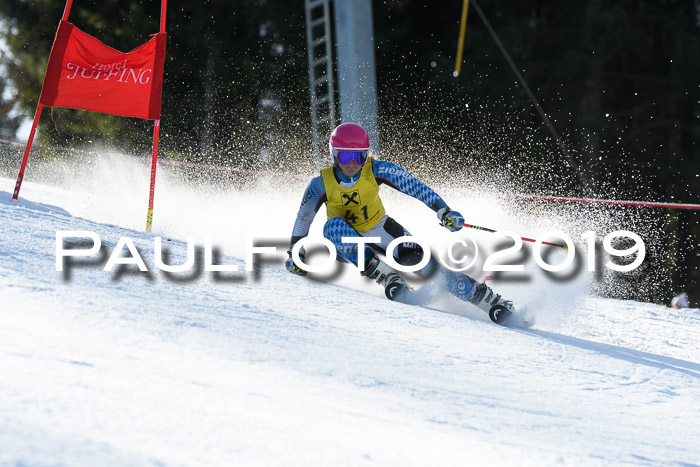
(154, 161)
(66, 10)
(27, 150)
(163, 7)
(156, 134)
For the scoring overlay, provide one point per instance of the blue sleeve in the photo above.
(314, 197)
(402, 180)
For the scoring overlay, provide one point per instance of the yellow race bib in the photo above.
(360, 205)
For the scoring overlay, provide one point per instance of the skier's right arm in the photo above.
(314, 197)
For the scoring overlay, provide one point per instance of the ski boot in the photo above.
(385, 276)
(498, 309)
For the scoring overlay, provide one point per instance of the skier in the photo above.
(350, 189)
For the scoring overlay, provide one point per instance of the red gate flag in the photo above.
(84, 73)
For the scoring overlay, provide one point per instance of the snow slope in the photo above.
(261, 368)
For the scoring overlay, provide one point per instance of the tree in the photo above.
(617, 79)
(9, 118)
(224, 62)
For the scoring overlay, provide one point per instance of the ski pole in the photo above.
(485, 229)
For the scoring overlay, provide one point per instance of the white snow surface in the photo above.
(267, 368)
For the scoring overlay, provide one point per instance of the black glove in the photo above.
(292, 266)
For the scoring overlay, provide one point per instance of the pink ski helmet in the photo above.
(349, 141)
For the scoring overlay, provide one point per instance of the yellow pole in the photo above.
(460, 43)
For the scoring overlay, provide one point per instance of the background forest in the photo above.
(619, 81)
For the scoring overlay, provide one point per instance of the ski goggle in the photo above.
(344, 157)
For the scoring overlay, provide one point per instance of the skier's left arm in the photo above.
(386, 172)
